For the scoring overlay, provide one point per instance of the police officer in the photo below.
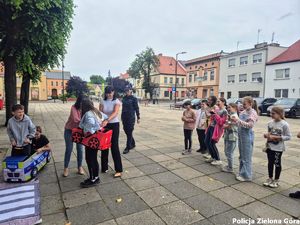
(129, 109)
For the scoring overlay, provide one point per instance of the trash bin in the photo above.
(1, 104)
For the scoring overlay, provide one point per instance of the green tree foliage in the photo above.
(97, 79)
(33, 36)
(142, 66)
(77, 86)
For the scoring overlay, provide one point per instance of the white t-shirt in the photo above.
(108, 108)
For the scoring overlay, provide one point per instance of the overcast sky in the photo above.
(108, 34)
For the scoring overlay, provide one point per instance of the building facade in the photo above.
(203, 76)
(283, 74)
(55, 83)
(242, 73)
(164, 76)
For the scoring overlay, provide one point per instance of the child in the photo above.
(189, 119)
(297, 193)
(278, 133)
(230, 136)
(201, 125)
(40, 142)
(20, 130)
(91, 122)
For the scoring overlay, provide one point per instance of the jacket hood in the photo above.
(26, 118)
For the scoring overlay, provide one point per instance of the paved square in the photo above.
(159, 185)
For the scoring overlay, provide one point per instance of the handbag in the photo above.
(218, 132)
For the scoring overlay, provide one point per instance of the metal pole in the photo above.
(63, 81)
(176, 77)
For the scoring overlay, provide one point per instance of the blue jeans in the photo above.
(210, 144)
(69, 149)
(245, 143)
(229, 150)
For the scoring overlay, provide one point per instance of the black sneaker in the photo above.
(85, 181)
(126, 150)
(295, 195)
(199, 150)
(90, 183)
(132, 147)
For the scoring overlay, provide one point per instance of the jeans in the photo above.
(229, 150)
(91, 158)
(201, 139)
(210, 144)
(187, 139)
(69, 149)
(115, 151)
(245, 144)
(274, 159)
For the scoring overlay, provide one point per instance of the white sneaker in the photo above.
(268, 182)
(240, 178)
(274, 184)
(184, 151)
(216, 163)
(209, 160)
(207, 156)
(227, 169)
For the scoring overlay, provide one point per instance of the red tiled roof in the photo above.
(203, 58)
(124, 76)
(292, 54)
(167, 65)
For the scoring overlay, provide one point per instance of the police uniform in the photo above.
(130, 107)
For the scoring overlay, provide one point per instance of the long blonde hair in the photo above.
(252, 102)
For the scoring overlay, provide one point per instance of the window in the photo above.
(212, 74)
(165, 80)
(231, 79)
(177, 80)
(205, 64)
(171, 80)
(190, 67)
(229, 94)
(231, 63)
(281, 93)
(257, 58)
(256, 76)
(204, 93)
(195, 77)
(282, 73)
(56, 83)
(182, 94)
(243, 78)
(211, 92)
(166, 93)
(205, 75)
(212, 63)
(62, 83)
(52, 83)
(182, 81)
(196, 67)
(222, 94)
(190, 78)
(244, 60)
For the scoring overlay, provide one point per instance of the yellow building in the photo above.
(55, 82)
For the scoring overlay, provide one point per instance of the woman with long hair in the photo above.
(73, 122)
(246, 121)
(110, 106)
(91, 121)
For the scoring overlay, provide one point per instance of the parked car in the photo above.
(291, 106)
(23, 168)
(264, 104)
(196, 103)
(179, 105)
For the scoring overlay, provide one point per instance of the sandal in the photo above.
(117, 175)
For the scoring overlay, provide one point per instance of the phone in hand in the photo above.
(212, 112)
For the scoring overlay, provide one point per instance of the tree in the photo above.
(142, 66)
(76, 86)
(97, 79)
(120, 84)
(33, 35)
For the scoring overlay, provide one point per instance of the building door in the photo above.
(54, 93)
(254, 94)
(34, 94)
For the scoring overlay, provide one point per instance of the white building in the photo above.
(283, 74)
(242, 73)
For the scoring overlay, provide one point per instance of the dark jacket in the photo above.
(130, 107)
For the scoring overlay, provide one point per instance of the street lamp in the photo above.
(179, 53)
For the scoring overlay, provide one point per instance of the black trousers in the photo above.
(128, 126)
(210, 144)
(92, 162)
(25, 150)
(187, 138)
(274, 159)
(201, 139)
(115, 151)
